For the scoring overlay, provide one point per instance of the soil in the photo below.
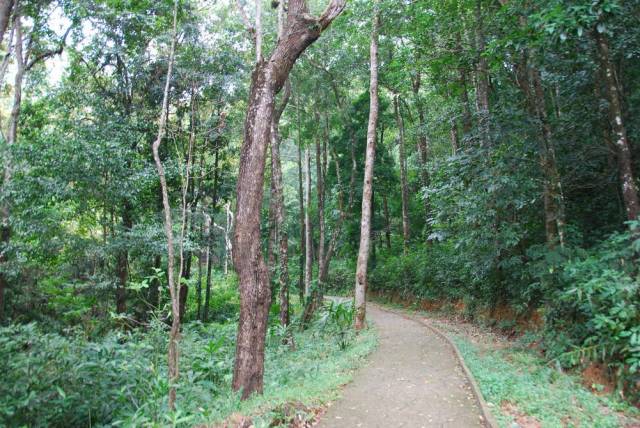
(413, 379)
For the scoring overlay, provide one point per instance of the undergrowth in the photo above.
(56, 380)
(520, 378)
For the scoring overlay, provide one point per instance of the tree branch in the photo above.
(245, 20)
(47, 54)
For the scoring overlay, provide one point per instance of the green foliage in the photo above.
(595, 315)
(55, 380)
(337, 317)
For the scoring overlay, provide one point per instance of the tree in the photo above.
(365, 222)
(174, 334)
(269, 76)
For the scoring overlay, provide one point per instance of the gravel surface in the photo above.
(412, 380)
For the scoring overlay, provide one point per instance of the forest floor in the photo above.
(413, 379)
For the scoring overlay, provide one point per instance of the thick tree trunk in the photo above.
(267, 80)
(365, 222)
(403, 175)
(625, 166)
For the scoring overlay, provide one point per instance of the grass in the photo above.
(312, 375)
(524, 380)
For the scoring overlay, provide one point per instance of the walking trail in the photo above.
(413, 379)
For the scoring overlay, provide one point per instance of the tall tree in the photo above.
(404, 187)
(301, 29)
(616, 116)
(174, 334)
(281, 237)
(367, 189)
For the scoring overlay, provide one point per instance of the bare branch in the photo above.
(52, 52)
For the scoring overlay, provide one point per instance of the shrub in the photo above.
(595, 314)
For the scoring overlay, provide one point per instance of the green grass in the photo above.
(520, 377)
(311, 375)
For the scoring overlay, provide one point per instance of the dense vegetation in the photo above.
(504, 183)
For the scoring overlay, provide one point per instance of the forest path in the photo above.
(413, 379)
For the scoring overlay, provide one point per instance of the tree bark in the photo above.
(201, 263)
(467, 123)
(387, 221)
(625, 165)
(174, 334)
(122, 265)
(11, 139)
(268, 78)
(281, 236)
(154, 287)
(423, 145)
(321, 223)
(308, 259)
(365, 222)
(6, 7)
(303, 235)
(207, 292)
(555, 223)
(482, 78)
(403, 175)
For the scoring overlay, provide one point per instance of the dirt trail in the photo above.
(413, 379)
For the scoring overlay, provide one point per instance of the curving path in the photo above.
(412, 380)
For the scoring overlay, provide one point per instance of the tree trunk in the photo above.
(464, 95)
(122, 265)
(365, 222)
(6, 6)
(303, 235)
(174, 334)
(154, 287)
(308, 260)
(201, 260)
(11, 139)
(553, 195)
(207, 292)
(387, 221)
(268, 78)
(403, 175)
(281, 236)
(423, 145)
(482, 78)
(625, 166)
(321, 224)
